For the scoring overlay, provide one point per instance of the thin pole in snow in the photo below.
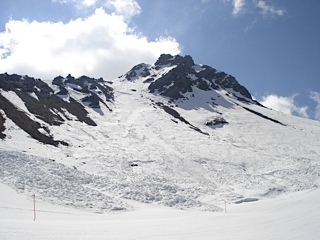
(225, 206)
(34, 207)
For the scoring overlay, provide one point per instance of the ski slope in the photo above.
(293, 216)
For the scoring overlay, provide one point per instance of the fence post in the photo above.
(34, 207)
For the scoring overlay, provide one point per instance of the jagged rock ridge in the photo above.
(48, 106)
(184, 75)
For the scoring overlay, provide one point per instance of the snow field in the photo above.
(294, 216)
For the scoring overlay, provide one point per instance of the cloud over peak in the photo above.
(100, 45)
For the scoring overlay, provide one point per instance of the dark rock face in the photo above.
(2, 127)
(166, 59)
(217, 121)
(92, 87)
(24, 83)
(140, 70)
(45, 105)
(263, 116)
(24, 122)
(183, 77)
(176, 115)
(173, 84)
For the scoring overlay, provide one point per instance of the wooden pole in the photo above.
(34, 207)
(225, 206)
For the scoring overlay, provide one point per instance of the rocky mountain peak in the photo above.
(186, 75)
(166, 59)
(140, 70)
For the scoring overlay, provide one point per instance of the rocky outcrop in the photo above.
(96, 89)
(176, 115)
(2, 127)
(22, 120)
(186, 74)
(50, 107)
(140, 70)
(216, 121)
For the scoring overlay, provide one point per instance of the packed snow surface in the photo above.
(295, 216)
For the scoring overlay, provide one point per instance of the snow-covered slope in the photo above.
(294, 217)
(172, 134)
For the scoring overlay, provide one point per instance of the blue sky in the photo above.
(271, 47)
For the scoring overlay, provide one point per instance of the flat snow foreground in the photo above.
(293, 216)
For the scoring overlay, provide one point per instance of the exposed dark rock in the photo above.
(263, 116)
(85, 85)
(140, 70)
(41, 101)
(166, 59)
(2, 127)
(242, 99)
(173, 84)
(183, 77)
(58, 81)
(148, 80)
(216, 121)
(203, 85)
(40, 108)
(246, 200)
(23, 87)
(92, 100)
(176, 115)
(57, 104)
(208, 72)
(229, 81)
(25, 123)
(23, 83)
(78, 110)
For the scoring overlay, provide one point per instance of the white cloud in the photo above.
(284, 104)
(268, 10)
(101, 45)
(238, 7)
(88, 3)
(316, 97)
(126, 8)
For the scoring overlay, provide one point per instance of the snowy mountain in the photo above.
(175, 134)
